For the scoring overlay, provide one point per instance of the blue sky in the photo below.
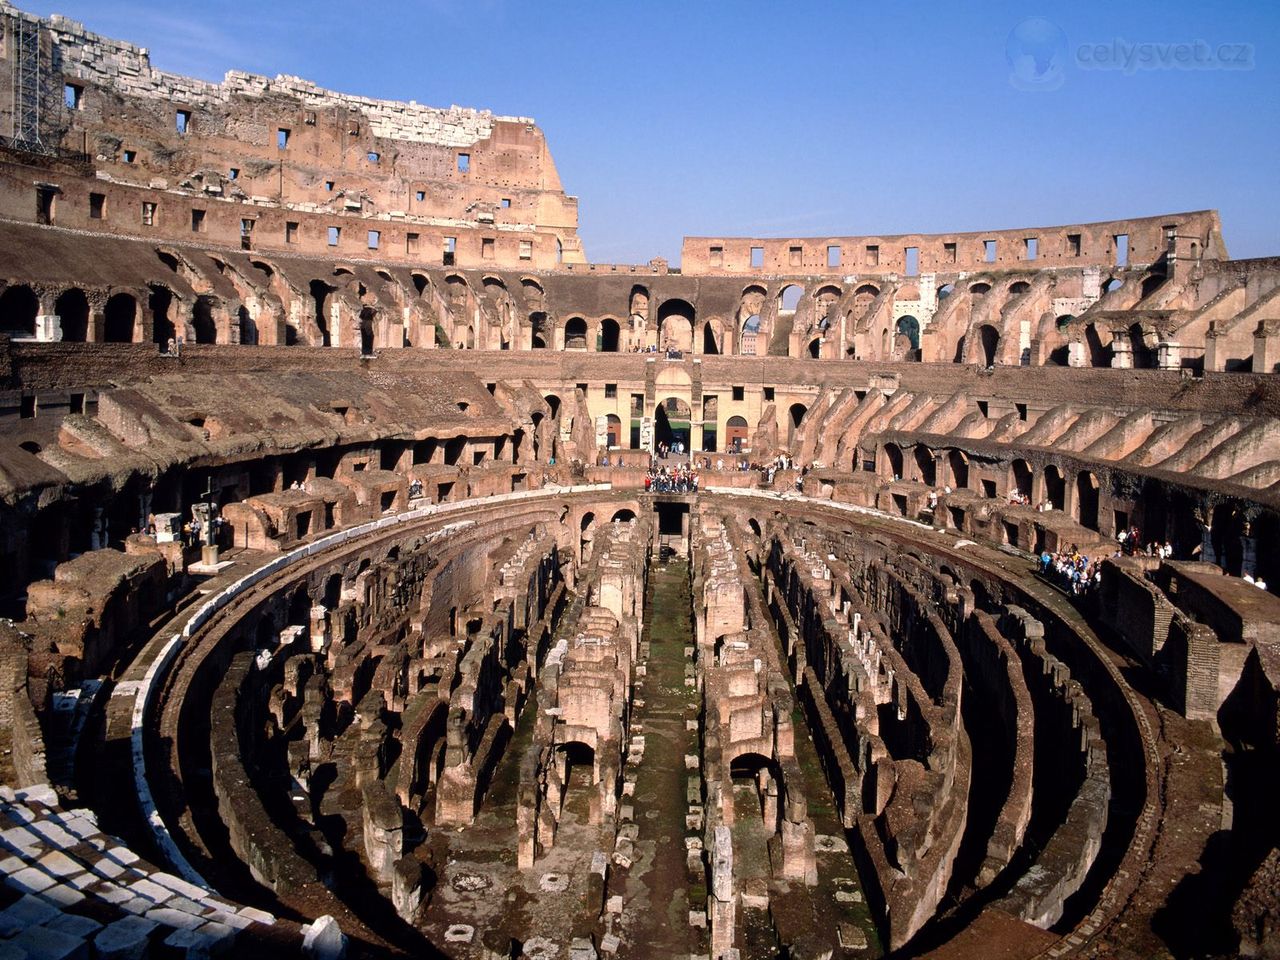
(803, 119)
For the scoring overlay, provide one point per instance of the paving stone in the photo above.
(29, 880)
(173, 918)
(107, 868)
(75, 925)
(28, 911)
(63, 894)
(60, 865)
(126, 939)
(152, 891)
(42, 943)
(256, 915)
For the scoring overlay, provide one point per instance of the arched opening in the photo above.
(735, 434)
(578, 776)
(979, 289)
(575, 334)
(613, 431)
(1142, 357)
(754, 525)
(1022, 478)
(73, 307)
(815, 348)
(610, 335)
(1099, 356)
(757, 789)
(248, 328)
(750, 331)
(959, 464)
(202, 320)
(623, 516)
(1055, 487)
(162, 327)
(710, 339)
(638, 302)
(989, 339)
(554, 403)
(908, 345)
(586, 535)
(946, 290)
(19, 307)
(320, 297)
(675, 325)
(1087, 499)
(926, 466)
(366, 331)
(1151, 284)
(119, 317)
(1225, 532)
(789, 298)
(893, 460)
(863, 298)
(539, 332)
(1112, 285)
(797, 412)
(1018, 288)
(671, 422)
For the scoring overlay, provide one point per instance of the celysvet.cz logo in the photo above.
(1040, 56)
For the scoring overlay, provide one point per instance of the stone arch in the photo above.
(575, 334)
(120, 318)
(676, 320)
(72, 306)
(958, 463)
(796, 413)
(610, 335)
(908, 331)
(893, 460)
(19, 307)
(1055, 487)
(789, 298)
(989, 343)
(1086, 511)
(202, 322)
(1021, 476)
(926, 465)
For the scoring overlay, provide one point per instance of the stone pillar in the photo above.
(1121, 354)
(1214, 358)
(48, 328)
(1169, 355)
(1266, 347)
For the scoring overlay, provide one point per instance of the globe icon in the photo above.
(1037, 51)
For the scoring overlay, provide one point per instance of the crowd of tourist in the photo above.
(1072, 570)
(677, 479)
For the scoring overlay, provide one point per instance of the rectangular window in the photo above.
(1122, 249)
(464, 163)
(526, 249)
(182, 120)
(290, 232)
(795, 256)
(335, 234)
(450, 250)
(637, 404)
(27, 408)
(873, 255)
(610, 391)
(233, 173)
(197, 221)
(486, 248)
(374, 156)
(989, 251)
(375, 238)
(1073, 244)
(328, 186)
(757, 257)
(506, 203)
(282, 138)
(130, 156)
(768, 394)
(410, 243)
(833, 255)
(716, 256)
(246, 233)
(949, 252)
(97, 206)
(1170, 232)
(73, 95)
(739, 393)
(420, 196)
(44, 203)
(148, 213)
(912, 258)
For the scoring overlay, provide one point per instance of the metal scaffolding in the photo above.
(27, 92)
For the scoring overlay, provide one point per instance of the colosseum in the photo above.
(384, 578)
